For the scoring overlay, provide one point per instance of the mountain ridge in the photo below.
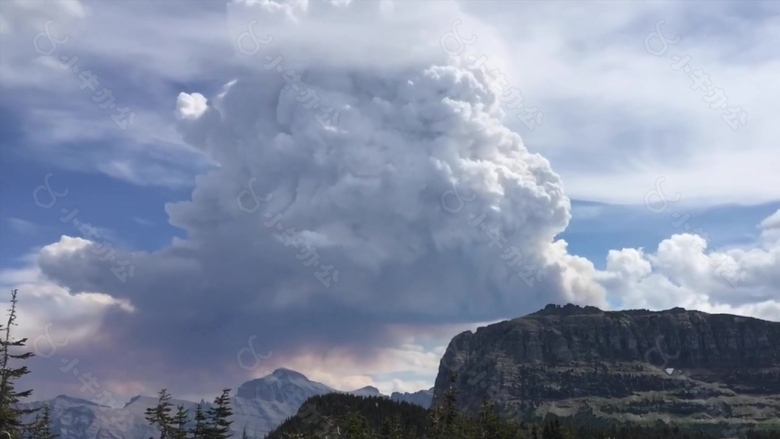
(583, 361)
(259, 406)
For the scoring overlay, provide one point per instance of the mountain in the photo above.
(258, 405)
(716, 372)
(283, 386)
(422, 397)
(74, 418)
(367, 391)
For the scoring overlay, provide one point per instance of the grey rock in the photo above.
(613, 366)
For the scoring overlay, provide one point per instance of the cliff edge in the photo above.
(718, 372)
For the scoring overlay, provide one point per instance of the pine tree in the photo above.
(219, 417)
(357, 427)
(180, 421)
(198, 431)
(10, 414)
(396, 431)
(445, 422)
(42, 425)
(385, 429)
(160, 415)
(488, 421)
(391, 428)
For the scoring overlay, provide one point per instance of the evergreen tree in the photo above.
(385, 430)
(391, 428)
(219, 417)
(489, 425)
(198, 431)
(10, 414)
(445, 419)
(160, 415)
(42, 425)
(356, 427)
(180, 421)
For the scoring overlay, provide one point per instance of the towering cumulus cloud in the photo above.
(389, 192)
(372, 189)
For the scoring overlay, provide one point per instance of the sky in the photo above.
(194, 193)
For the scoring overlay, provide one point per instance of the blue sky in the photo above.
(570, 191)
(613, 227)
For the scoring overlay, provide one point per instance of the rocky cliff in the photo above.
(713, 371)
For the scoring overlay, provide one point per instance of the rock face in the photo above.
(720, 372)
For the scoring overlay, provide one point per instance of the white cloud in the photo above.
(45, 307)
(684, 272)
(143, 221)
(771, 222)
(629, 120)
(770, 229)
(23, 226)
(20, 14)
(615, 113)
(190, 106)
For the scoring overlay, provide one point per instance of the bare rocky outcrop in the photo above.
(715, 371)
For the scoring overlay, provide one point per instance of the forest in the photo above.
(354, 417)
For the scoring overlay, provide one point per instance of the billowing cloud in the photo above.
(372, 188)
(394, 161)
(684, 272)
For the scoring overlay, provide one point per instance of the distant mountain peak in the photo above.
(260, 405)
(367, 391)
(282, 385)
(420, 397)
(283, 373)
(74, 400)
(133, 399)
